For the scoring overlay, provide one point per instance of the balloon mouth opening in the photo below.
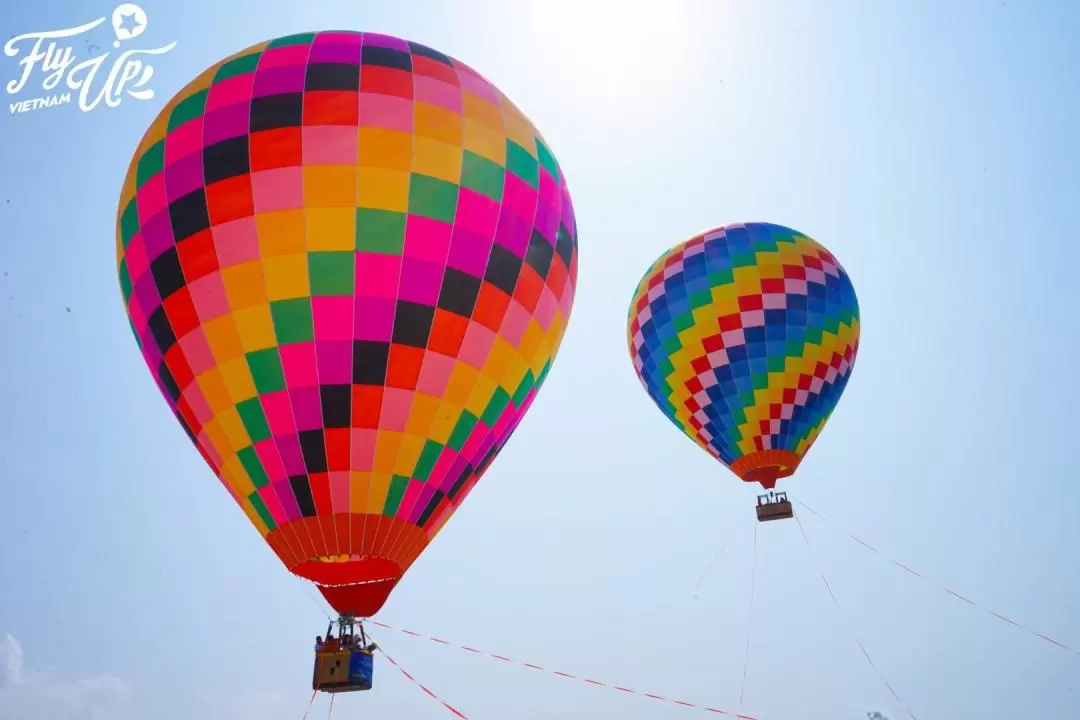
(348, 570)
(766, 467)
(354, 559)
(357, 587)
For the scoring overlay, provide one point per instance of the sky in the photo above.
(930, 146)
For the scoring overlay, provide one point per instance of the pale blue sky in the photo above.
(931, 145)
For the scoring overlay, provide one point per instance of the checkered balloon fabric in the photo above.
(745, 337)
(348, 261)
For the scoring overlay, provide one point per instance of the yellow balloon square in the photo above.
(236, 477)
(223, 340)
(376, 499)
(517, 127)
(498, 358)
(214, 391)
(255, 328)
(485, 140)
(437, 123)
(329, 186)
(281, 232)
(387, 445)
(481, 395)
(409, 454)
(477, 108)
(287, 277)
(359, 489)
(436, 159)
(460, 386)
(234, 430)
(531, 341)
(332, 228)
(383, 189)
(513, 373)
(421, 414)
(237, 376)
(443, 422)
(379, 147)
(244, 285)
(218, 440)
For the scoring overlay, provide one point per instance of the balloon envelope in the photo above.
(745, 337)
(349, 261)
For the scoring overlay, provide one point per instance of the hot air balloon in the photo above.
(349, 261)
(745, 337)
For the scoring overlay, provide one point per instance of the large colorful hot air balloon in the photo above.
(349, 261)
(745, 337)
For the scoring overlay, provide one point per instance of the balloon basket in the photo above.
(345, 662)
(774, 506)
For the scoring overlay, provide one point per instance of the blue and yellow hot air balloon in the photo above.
(745, 337)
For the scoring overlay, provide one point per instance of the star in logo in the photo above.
(129, 22)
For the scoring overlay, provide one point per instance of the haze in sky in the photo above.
(931, 146)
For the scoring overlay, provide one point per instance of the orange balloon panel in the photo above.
(349, 262)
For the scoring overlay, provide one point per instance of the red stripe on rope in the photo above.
(310, 703)
(858, 642)
(419, 684)
(939, 586)
(559, 673)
